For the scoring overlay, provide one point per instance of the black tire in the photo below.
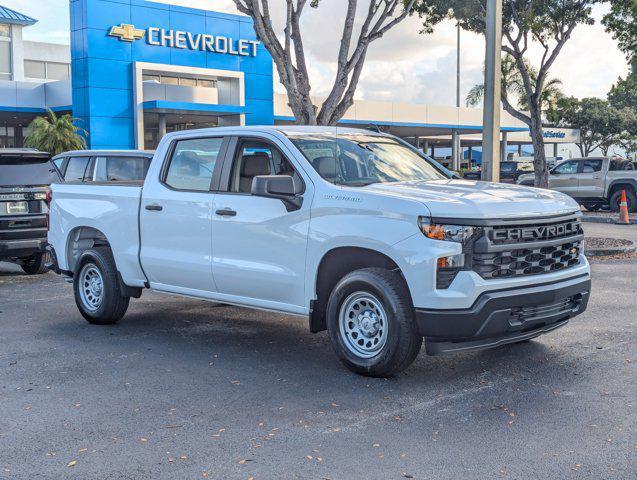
(402, 342)
(631, 200)
(113, 304)
(35, 264)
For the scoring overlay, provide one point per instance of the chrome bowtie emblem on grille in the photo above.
(126, 32)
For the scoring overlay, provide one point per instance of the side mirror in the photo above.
(277, 186)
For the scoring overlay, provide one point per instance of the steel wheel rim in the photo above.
(91, 286)
(363, 324)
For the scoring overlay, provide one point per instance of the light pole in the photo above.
(491, 112)
(455, 137)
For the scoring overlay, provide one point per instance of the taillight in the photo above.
(47, 200)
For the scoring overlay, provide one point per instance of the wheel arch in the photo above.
(619, 183)
(334, 265)
(81, 239)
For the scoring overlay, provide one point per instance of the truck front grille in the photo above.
(526, 261)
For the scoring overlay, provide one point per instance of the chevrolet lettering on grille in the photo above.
(542, 232)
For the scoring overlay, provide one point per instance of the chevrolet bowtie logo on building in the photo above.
(127, 33)
(205, 42)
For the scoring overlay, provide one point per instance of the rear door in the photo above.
(591, 178)
(176, 217)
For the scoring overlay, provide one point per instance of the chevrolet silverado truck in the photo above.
(357, 231)
(594, 182)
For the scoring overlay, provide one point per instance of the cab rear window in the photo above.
(26, 171)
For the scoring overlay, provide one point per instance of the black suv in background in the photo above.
(25, 176)
(509, 171)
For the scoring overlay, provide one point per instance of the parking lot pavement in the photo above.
(182, 388)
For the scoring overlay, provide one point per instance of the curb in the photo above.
(610, 220)
(604, 252)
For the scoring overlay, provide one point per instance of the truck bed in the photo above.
(111, 208)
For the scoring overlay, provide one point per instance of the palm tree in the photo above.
(511, 87)
(55, 134)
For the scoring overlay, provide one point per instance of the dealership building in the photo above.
(137, 69)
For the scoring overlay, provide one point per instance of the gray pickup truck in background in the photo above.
(594, 181)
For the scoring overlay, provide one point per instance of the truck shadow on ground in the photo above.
(272, 348)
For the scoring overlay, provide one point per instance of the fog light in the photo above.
(447, 269)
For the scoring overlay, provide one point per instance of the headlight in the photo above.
(449, 233)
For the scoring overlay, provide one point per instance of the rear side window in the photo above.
(75, 169)
(126, 168)
(24, 171)
(192, 164)
(592, 166)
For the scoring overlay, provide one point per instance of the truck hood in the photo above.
(479, 200)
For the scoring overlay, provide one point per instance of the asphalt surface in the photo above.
(184, 389)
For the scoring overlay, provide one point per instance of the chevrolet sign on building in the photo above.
(160, 37)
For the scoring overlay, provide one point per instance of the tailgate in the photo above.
(23, 213)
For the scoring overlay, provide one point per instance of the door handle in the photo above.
(226, 212)
(154, 207)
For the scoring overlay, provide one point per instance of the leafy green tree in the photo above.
(546, 23)
(601, 125)
(624, 93)
(512, 88)
(621, 23)
(55, 134)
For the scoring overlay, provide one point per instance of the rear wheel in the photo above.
(35, 264)
(371, 323)
(97, 290)
(631, 200)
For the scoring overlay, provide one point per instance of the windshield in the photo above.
(359, 159)
(24, 171)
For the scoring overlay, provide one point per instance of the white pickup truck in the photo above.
(358, 231)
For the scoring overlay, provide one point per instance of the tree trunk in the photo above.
(581, 149)
(539, 156)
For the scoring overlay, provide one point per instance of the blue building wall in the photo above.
(102, 66)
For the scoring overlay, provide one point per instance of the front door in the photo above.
(258, 245)
(563, 178)
(176, 218)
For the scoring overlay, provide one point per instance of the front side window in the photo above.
(592, 166)
(75, 169)
(126, 168)
(359, 159)
(255, 157)
(566, 168)
(192, 164)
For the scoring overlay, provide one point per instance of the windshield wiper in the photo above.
(356, 184)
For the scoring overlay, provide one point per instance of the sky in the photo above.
(402, 66)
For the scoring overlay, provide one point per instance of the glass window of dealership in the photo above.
(136, 70)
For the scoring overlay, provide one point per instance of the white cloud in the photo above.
(402, 66)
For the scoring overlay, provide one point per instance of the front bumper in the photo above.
(504, 316)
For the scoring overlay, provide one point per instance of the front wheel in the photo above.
(371, 323)
(35, 264)
(96, 286)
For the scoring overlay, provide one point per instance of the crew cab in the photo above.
(25, 175)
(594, 181)
(357, 231)
(103, 165)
